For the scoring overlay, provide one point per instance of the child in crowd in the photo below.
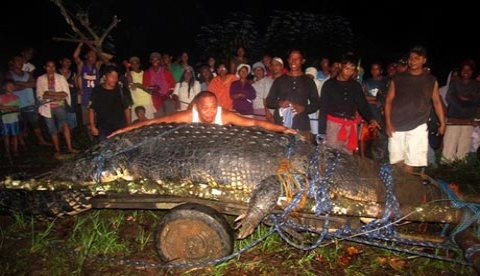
(9, 105)
(140, 112)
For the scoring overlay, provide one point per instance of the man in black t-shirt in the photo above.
(341, 98)
(108, 111)
(407, 107)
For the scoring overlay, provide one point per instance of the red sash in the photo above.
(349, 135)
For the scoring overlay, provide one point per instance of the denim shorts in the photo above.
(58, 119)
(11, 129)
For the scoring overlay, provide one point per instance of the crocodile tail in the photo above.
(44, 205)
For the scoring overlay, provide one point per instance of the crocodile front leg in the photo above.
(263, 201)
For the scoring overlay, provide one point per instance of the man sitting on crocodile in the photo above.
(205, 109)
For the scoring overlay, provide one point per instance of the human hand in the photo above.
(389, 130)
(297, 108)
(289, 131)
(62, 95)
(94, 131)
(283, 103)
(239, 96)
(441, 129)
(118, 131)
(373, 124)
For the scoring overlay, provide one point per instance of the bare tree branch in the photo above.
(63, 39)
(114, 23)
(88, 35)
(67, 17)
(83, 19)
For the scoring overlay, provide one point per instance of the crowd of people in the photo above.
(333, 102)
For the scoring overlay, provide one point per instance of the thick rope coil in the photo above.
(288, 177)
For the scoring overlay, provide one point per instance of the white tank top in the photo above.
(218, 116)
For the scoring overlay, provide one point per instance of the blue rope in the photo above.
(392, 206)
(471, 210)
(319, 186)
(381, 229)
(471, 251)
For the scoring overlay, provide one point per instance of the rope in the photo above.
(471, 214)
(298, 187)
(287, 175)
(392, 207)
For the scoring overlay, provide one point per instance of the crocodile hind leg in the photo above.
(263, 201)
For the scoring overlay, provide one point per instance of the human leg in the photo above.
(33, 120)
(61, 117)
(15, 132)
(53, 131)
(450, 142)
(14, 139)
(67, 134)
(6, 143)
(464, 142)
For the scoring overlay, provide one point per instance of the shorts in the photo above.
(71, 119)
(58, 119)
(12, 129)
(410, 146)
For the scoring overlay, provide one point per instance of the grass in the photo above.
(104, 233)
(40, 239)
(97, 235)
(143, 238)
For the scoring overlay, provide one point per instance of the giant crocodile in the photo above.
(225, 163)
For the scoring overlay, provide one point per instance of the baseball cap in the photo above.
(277, 59)
(155, 55)
(134, 59)
(311, 71)
(240, 66)
(419, 50)
(258, 64)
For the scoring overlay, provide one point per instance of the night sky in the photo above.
(380, 27)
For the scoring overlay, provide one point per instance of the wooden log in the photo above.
(438, 211)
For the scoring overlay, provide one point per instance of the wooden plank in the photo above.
(158, 202)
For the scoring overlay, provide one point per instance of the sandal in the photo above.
(73, 151)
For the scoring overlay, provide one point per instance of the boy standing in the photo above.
(9, 104)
